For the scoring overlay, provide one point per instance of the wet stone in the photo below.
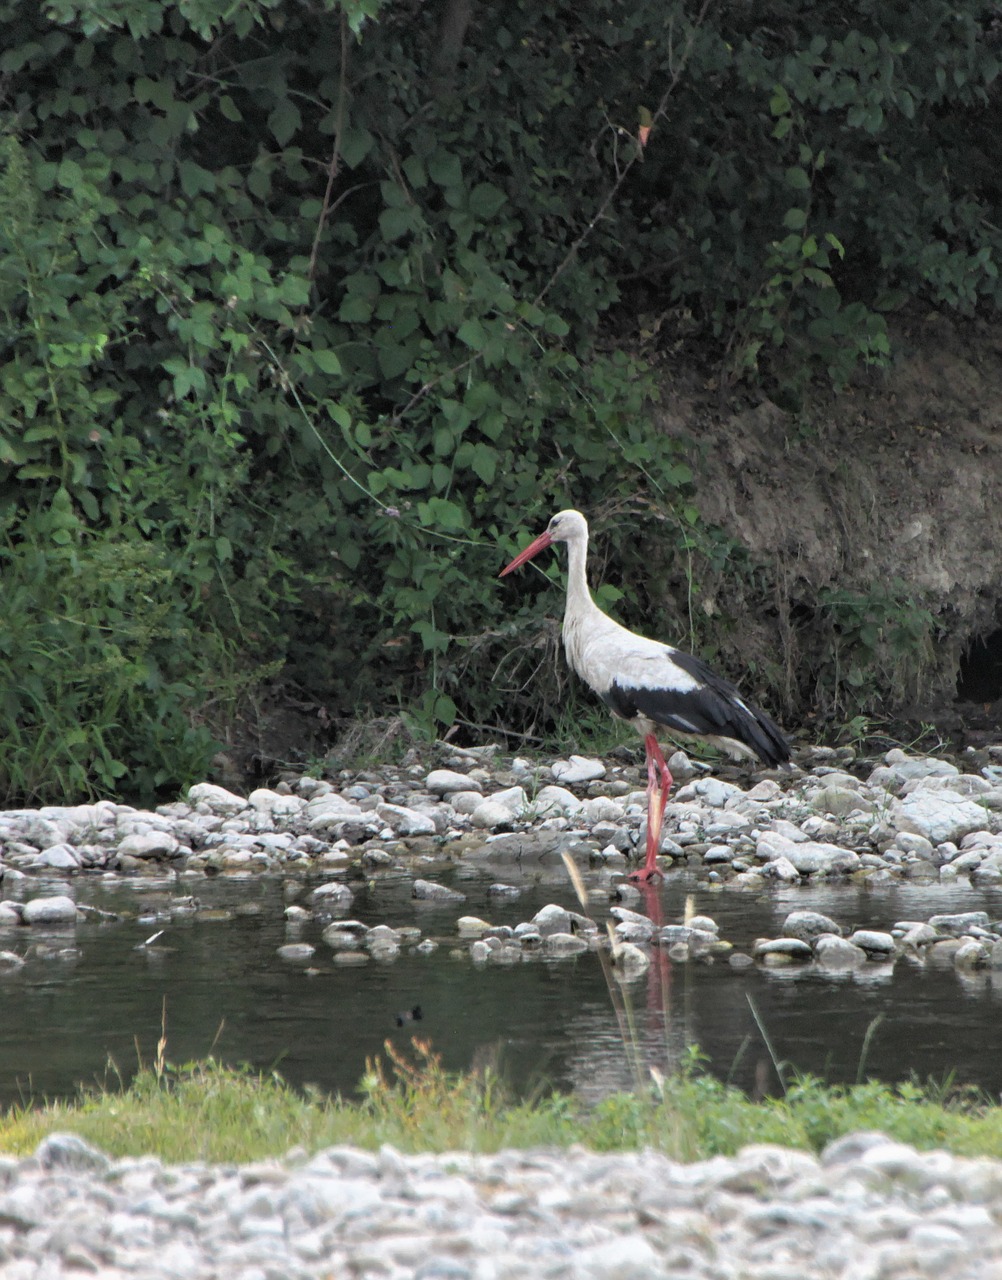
(296, 952)
(59, 858)
(838, 953)
(972, 954)
(564, 944)
(552, 919)
(873, 941)
(430, 891)
(793, 948)
(406, 821)
(471, 927)
(54, 910)
(808, 925)
(504, 891)
(959, 923)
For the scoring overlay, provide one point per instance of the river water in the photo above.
(93, 996)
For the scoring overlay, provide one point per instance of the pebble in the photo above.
(866, 1207)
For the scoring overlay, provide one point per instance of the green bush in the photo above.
(309, 311)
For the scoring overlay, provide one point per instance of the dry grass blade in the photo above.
(621, 1005)
(778, 1066)
(576, 879)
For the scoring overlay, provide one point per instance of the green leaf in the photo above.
(444, 169)
(394, 223)
(485, 462)
(415, 172)
(471, 332)
(443, 441)
(70, 175)
(442, 514)
(394, 359)
(294, 291)
(195, 179)
(349, 553)
(445, 709)
(486, 200)
(356, 143)
(189, 378)
(795, 219)
(779, 103)
(798, 179)
(327, 362)
(355, 309)
(284, 120)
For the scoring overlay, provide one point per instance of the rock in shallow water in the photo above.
(808, 925)
(296, 952)
(838, 953)
(873, 941)
(55, 910)
(58, 857)
(429, 891)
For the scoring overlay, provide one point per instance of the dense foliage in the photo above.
(308, 309)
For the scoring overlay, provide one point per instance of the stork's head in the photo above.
(566, 526)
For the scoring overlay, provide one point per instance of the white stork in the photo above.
(649, 683)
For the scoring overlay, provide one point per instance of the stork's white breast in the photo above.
(603, 652)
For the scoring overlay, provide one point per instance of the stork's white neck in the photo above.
(579, 602)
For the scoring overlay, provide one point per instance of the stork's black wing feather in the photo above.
(712, 708)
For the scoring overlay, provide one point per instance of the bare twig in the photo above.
(423, 390)
(335, 161)
(662, 110)
(496, 728)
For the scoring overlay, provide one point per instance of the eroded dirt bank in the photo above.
(874, 520)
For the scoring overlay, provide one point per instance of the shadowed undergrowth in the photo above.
(213, 1112)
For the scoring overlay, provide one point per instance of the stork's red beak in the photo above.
(541, 543)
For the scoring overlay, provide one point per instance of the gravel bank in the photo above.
(868, 1209)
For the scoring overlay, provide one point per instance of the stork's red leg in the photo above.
(656, 802)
